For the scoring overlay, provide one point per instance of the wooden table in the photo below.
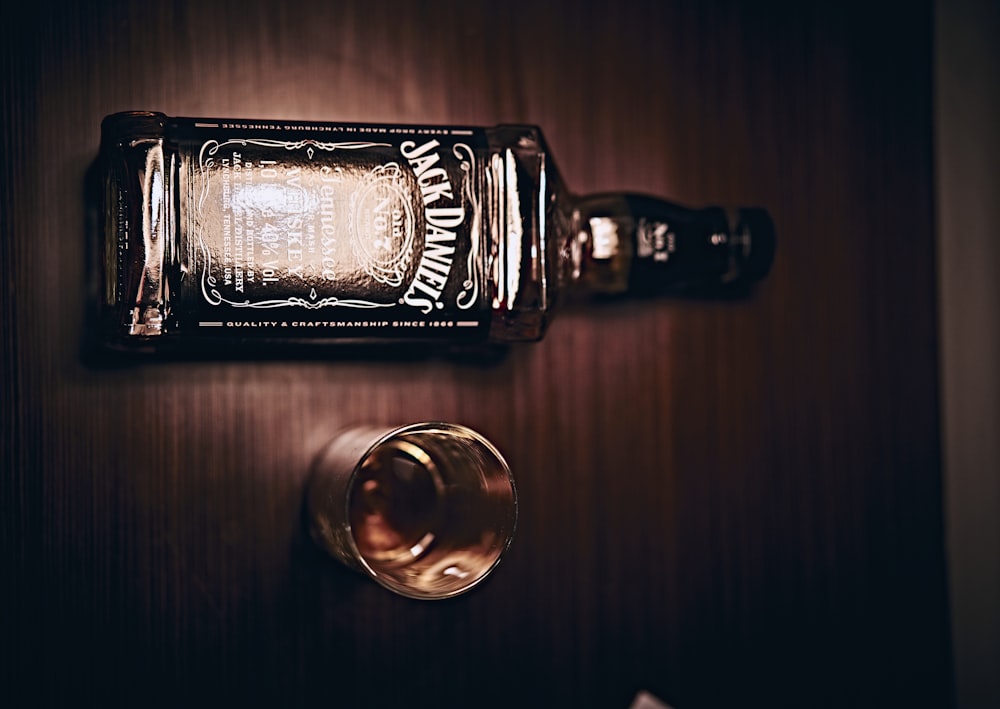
(723, 503)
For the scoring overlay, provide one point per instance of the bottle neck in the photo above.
(622, 243)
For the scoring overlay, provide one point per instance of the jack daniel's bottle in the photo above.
(217, 231)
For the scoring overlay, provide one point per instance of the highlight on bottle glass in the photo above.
(426, 510)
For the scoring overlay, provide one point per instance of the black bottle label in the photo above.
(327, 230)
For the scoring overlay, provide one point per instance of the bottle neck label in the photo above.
(328, 230)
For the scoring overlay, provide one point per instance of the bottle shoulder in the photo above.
(526, 216)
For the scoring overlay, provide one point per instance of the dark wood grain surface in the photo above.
(724, 503)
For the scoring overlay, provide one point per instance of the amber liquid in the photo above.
(414, 522)
(396, 506)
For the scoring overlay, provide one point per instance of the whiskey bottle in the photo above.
(223, 232)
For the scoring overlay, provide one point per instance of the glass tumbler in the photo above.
(426, 510)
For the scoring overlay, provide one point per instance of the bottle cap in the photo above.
(756, 226)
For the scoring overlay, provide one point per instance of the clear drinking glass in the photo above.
(426, 510)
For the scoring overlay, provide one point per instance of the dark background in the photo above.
(723, 503)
